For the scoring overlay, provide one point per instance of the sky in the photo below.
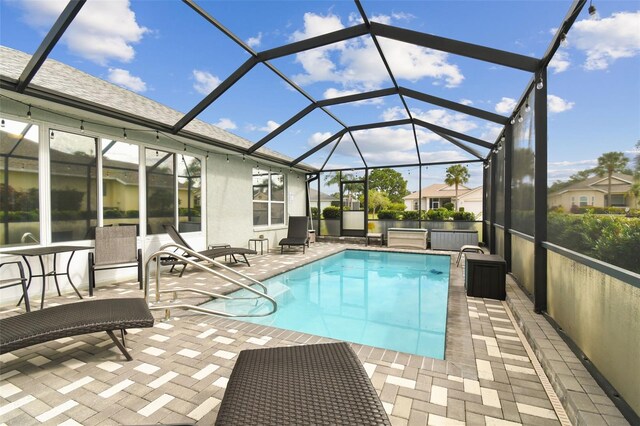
(165, 51)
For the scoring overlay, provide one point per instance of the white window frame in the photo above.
(269, 202)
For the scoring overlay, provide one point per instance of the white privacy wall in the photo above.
(230, 203)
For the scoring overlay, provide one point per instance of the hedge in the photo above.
(331, 212)
(612, 239)
(388, 214)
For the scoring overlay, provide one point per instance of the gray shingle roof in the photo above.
(61, 78)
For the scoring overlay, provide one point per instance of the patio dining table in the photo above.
(40, 252)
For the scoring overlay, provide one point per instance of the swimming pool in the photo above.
(390, 300)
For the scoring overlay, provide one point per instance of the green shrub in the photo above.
(463, 215)
(397, 207)
(461, 209)
(612, 239)
(19, 216)
(184, 211)
(411, 215)
(448, 206)
(438, 214)
(132, 214)
(314, 212)
(331, 212)
(113, 213)
(388, 214)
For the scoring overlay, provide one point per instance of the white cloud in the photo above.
(491, 132)
(318, 137)
(466, 101)
(413, 63)
(205, 81)
(315, 25)
(556, 104)
(270, 127)
(356, 64)
(103, 30)
(560, 62)
(572, 163)
(226, 124)
(255, 41)
(608, 39)
(506, 106)
(125, 79)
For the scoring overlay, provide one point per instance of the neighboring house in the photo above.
(471, 201)
(326, 200)
(438, 194)
(593, 192)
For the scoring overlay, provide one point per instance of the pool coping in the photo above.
(567, 374)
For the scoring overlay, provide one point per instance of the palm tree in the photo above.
(457, 175)
(608, 164)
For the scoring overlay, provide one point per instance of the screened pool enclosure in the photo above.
(356, 116)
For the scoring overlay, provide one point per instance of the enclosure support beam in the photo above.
(540, 196)
(495, 56)
(493, 169)
(48, 43)
(508, 173)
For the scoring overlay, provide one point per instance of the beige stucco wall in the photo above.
(567, 199)
(522, 261)
(602, 316)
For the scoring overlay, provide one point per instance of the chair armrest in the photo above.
(17, 262)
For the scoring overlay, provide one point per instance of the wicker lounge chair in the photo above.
(297, 234)
(309, 384)
(232, 252)
(75, 319)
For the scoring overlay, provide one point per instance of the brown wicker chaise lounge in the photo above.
(211, 253)
(74, 319)
(323, 384)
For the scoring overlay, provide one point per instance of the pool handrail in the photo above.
(164, 250)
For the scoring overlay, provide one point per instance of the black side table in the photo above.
(255, 242)
(485, 276)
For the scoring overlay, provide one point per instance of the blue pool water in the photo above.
(390, 300)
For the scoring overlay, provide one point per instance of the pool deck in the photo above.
(490, 375)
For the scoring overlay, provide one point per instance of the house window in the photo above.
(583, 201)
(19, 203)
(161, 195)
(189, 190)
(120, 183)
(268, 198)
(74, 186)
(617, 200)
(435, 204)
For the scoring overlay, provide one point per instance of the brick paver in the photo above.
(181, 366)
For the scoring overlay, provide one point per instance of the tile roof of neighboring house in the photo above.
(475, 192)
(619, 181)
(438, 190)
(61, 78)
(313, 195)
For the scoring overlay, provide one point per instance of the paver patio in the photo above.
(181, 366)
